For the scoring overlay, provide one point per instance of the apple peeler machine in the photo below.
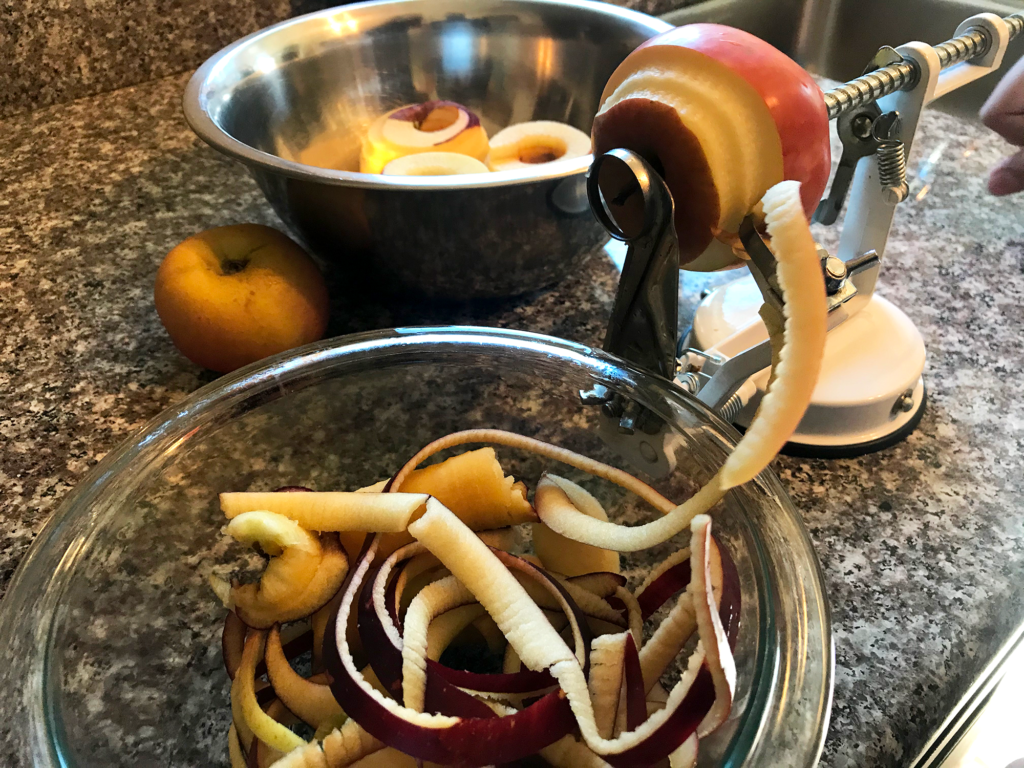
(870, 393)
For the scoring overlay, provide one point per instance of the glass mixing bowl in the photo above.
(112, 634)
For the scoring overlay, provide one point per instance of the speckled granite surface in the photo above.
(922, 544)
(55, 51)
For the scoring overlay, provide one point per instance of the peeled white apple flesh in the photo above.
(434, 126)
(527, 145)
(541, 615)
(434, 164)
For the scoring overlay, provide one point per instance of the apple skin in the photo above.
(794, 100)
(232, 295)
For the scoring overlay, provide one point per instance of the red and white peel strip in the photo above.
(438, 738)
(473, 563)
(712, 634)
(260, 724)
(606, 671)
(703, 694)
(679, 557)
(575, 525)
(311, 702)
(445, 628)
(539, 447)
(667, 641)
(440, 597)
(350, 743)
(381, 632)
(506, 587)
(331, 511)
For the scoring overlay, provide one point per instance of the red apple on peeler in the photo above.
(723, 116)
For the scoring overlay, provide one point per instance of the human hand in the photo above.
(1003, 112)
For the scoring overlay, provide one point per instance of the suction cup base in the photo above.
(870, 394)
(898, 435)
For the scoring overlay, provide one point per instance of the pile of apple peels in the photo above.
(429, 566)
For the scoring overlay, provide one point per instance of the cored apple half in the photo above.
(723, 116)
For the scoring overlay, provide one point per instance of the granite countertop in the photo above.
(922, 544)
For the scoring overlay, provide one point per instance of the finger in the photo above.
(1003, 111)
(1007, 177)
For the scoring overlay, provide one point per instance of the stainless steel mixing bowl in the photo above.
(307, 89)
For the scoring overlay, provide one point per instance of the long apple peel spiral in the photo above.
(800, 345)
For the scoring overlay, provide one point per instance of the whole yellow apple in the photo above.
(232, 295)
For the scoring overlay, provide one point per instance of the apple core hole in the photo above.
(536, 154)
(234, 266)
(438, 119)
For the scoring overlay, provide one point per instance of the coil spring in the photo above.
(688, 382)
(892, 167)
(732, 407)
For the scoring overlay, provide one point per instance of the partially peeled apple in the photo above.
(724, 116)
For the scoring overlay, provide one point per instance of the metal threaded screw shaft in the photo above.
(964, 48)
(870, 87)
(904, 74)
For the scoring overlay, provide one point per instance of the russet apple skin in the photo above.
(232, 295)
(795, 101)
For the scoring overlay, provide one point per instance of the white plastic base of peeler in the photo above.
(870, 393)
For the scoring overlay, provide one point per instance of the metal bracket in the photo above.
(633, 203)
